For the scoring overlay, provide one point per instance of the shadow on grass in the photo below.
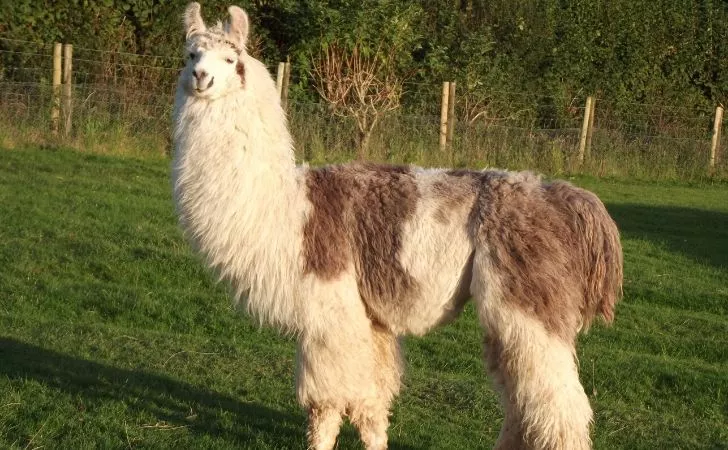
(165, 398)
(696, 233)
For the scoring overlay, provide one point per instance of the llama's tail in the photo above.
(597, 247)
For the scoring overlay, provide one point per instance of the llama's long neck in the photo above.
(238, 195)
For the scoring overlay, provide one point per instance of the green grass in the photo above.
(112, 334)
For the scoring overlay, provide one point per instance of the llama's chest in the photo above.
(250, 247)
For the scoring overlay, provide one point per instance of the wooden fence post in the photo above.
(451, 114)
(585, 129)
(285, 84)
(590, 129)
(67, 84)
(279, 79)
(56, 100)
(715, 144)
(443, 114)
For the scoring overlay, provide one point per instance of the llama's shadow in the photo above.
(699, 234)
(158, 395)
(161, 396)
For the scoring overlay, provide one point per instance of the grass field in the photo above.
(112, 335)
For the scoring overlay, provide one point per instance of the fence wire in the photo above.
(122, 98)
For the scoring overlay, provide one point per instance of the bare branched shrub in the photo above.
(358, 84)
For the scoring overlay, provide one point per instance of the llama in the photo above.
(348, 258)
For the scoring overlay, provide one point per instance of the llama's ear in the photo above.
(193, 20)
(238, 26)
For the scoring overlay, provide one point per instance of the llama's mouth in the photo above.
(200, 90)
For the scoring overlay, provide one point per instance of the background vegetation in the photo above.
(523, 72)
(667, 52)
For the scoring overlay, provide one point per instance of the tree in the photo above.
(359, 85)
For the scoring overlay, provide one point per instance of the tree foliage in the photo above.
(626, 51)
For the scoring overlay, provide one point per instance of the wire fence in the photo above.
(123, 102)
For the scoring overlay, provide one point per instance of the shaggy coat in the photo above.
(350, 257)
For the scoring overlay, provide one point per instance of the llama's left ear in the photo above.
(238, 26)
(193, 20)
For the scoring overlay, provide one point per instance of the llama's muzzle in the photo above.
(203, 80)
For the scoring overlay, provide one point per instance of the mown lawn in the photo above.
(112, 334)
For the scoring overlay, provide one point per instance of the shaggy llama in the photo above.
(350, 257)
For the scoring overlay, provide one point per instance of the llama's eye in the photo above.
(229, 60)
(192, 56)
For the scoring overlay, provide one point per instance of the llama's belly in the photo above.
(440, 299)
(439, 295)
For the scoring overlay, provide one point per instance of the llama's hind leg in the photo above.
(534, 369)
(536, 373)
(371, 417)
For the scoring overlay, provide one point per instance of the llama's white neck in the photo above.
(239, 199)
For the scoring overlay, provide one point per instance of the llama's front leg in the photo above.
(320, 386)
(353, 371)
(336, 376)
(335, 370)
(324, 422)
(372, 420)
(372, 417)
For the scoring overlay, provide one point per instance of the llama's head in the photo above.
(216, 56)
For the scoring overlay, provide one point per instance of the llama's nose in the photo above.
(203, 80)
(200, 74)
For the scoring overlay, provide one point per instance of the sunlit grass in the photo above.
(113, 335)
